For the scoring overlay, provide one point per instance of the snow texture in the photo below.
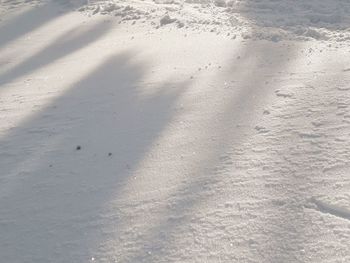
(257, 19)
(174, 131)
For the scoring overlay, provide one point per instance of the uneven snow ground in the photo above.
(250, 19)
(194, 145)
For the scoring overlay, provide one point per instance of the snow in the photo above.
(257, 19)
(166, 20)
(218, 135)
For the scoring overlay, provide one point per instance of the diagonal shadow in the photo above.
(65, 44)
(74, 191)
(161, 240)
(52, 195)
(31, 19)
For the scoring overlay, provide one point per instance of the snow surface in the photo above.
(256, 19)
(174, 131)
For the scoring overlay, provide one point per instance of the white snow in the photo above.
(174, 131)
(257, 19)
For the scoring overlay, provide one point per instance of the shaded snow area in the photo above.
(174, 131)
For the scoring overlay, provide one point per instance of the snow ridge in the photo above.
(251, 19)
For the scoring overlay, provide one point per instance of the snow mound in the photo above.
(252, 19)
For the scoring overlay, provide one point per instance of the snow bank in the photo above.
(252, 19)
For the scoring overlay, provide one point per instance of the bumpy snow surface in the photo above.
(174, 131)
